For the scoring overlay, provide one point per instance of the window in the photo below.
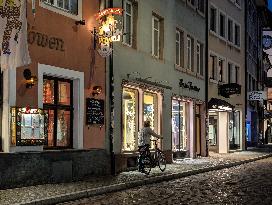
(230, 30)
(129, 116)
(212, 67)
(180, 132)
(179, 48)
(156, 37)
(192, 2)
(190, 53)
(237, 35)
(221, 70)
(201, 6)
(213, 17)
(58, 104)
(237, 74)
(199, 58)
(70, 6)
(128, 22)
(229, 72)
(222, 25)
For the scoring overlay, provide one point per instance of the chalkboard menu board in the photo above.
(94, 111)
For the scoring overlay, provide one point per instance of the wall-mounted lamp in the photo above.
(96, 90)
(80, 22)
(29, 79)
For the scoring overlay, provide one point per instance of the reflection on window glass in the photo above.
(150, 109)
(234, 130)
(129, 119)
(63, 128)
(64, 93)
(48, 91)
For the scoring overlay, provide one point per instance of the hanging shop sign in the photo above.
(109, 30)
(257, 95)
(226, 90)
(188, 85)
(28, 126)
(94, 111)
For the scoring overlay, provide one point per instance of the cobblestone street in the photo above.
(246, 184)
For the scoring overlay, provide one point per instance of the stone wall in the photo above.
(31, 168)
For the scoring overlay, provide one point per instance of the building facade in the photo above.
(159, 75)
(49, 105)
(226, 75)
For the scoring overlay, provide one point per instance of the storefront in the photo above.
(138, 105)
(225, 126)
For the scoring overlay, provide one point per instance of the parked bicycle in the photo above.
(146, 160)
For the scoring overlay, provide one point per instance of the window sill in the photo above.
(213, 81)
(238, 48)
(157, 58)
(213, 33)
(201, 13)
(222, 38)
(180, 68)
(200, 76)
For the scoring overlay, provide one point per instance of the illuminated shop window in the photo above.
(58, 105)
(129, 119)
(213, 120)
(180, 120)
(150, 109)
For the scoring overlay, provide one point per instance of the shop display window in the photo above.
(129, 119)
(28, 126)
(234, 130)
(58, 104)
(213, 129)
(150, 109)
(180, 120)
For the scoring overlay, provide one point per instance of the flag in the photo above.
(13, 34)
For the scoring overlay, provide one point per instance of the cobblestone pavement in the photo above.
(245, 184)
(26, 194)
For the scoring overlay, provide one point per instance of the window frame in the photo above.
(239, 35)
(232, 31)
(153, 40)
(61, 11)
(221, 13)
(55, 106)
(125, 2)
(213, 71)
(215, 18)
(190, 53)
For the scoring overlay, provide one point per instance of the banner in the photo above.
(13, 34)
(257, 95)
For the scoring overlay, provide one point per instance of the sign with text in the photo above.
(94, 111)
(257, 95)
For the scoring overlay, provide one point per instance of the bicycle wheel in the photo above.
(161, 161)
(145, 164)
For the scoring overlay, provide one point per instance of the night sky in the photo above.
(270, 4)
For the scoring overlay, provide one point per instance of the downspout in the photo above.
(246, 35)
(111, 104)
(207, 76)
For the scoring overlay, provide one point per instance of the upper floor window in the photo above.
(237, 35)
(212, 67)
(157, 36)
(190, 53)
(70, 6)
(221, 70)
(237, 74)
(222, 25)
(201, 6)
(199, 58)
(213, 19)
(128, 22)
(230, 30)
(179, 48)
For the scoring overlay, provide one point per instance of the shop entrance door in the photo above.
(198, 131)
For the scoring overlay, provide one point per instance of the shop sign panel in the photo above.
(226, 90)
(257, 95)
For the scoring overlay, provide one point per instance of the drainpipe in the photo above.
(207, 76)
(111, 104)
(246, 35)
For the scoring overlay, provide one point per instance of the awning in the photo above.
(216, 104)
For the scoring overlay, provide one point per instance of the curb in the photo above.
(122, 186)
